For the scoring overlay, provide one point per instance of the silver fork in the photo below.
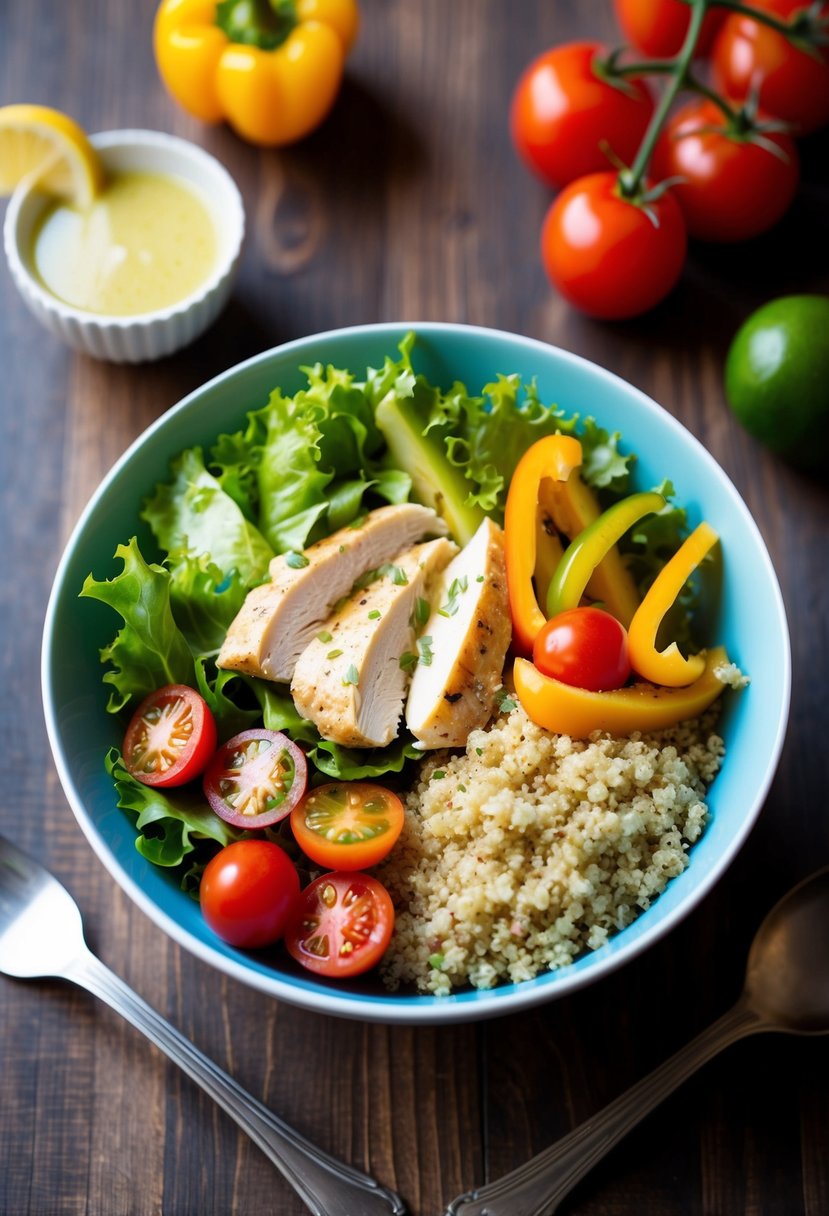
(41, 934)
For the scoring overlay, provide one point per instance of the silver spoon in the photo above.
(786, 988)
(41, 934)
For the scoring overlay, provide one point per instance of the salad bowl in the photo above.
(748, 619)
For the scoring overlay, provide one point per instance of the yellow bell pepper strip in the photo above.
(582, 555)
(668, 666)
(548, 548)
(271, 68)
(554, 456)
(577, 712)
(572, 505)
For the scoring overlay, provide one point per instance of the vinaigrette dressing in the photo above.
(146, 242)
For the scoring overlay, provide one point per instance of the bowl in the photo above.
(749, 620)
(143, 336)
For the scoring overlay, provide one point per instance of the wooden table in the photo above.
(408, 204)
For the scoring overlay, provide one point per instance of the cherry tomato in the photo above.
(256, 778)
(248, 892)
(610, 257)
(170, 738)
(793, 84)
(341, 925)
(563, 114)
(658, 27)
(585, 647)
(347, 825)
(731, 188)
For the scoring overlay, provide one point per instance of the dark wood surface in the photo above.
(408, 204)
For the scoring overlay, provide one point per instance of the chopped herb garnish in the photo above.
(408, 661)
(341, 549)
(436, 961)
(462, 789)
(297, 561)
(365, 580)
(324, 636)
(479, 579)
(424, 650)
(396, 573)
(456, 589)
(479, 750)
(374, 615)
(506, 703)
(334, 654)
(438, 774)
(422, 612)
(352, 676)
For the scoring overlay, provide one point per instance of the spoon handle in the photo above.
(537, 1188)
(327, 1186)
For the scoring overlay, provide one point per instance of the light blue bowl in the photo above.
(749, 620)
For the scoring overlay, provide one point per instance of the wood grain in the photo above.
(408, 204)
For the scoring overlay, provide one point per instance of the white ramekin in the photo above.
(151, 335)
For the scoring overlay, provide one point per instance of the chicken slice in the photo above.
(470, 633)
(279, 618)
(353, 684)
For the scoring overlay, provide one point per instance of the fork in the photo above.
(41, 934)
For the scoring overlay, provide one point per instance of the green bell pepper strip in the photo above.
(583, 554)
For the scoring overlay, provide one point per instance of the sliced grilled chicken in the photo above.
(351, 680)
(470, 633)
(279, 619)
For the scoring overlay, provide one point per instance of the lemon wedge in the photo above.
(49, 148)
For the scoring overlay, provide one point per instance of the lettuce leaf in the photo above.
(149, 650)
(169, 825)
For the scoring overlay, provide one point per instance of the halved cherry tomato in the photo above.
(248, 892)
(610, 257)
(584, 647)
(347, 825)
(729, 188)
(564, 116)
(170, 738)
(341, 925)
(256, 778)
(790, 83)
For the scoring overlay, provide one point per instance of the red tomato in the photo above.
(793, 85)
(347, 825)
(341, 925)
(608, 256)
(170, 738)
(731, 188)
(256, 778)
(563, 114)
(248, 892)
(585, 647)
(658, 27)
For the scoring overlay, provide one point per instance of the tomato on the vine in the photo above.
(170, 738)
(341, 925)
(564, 115)
(585, 647)
(611, 257)
(791, 84)
(347, 825)
(732, 187)
(248, 892)
(256, 778)
(658, 27)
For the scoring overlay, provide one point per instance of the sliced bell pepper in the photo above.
(668, 666)
(577, 712)
(582, 555)
(272, 68)
(555, 457)
(548, 548)
(572, 505)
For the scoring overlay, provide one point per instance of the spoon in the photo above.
(41, 934)
(786, 988)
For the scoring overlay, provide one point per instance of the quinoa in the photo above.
(529, 848)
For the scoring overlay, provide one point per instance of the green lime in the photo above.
(777, 377)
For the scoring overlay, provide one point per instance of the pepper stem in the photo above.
(262, 23)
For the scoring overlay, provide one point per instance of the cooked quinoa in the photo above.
(529, 847)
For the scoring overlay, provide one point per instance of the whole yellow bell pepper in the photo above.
(668, 666)
(271, 68)
(577, 712)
